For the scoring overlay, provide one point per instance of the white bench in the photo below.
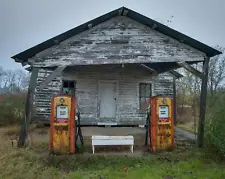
(112, 140)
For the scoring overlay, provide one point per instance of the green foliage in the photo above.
(215, 126)
(12, 108)
(28, 164)
(35, 162)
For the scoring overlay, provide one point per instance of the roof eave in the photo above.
(210, 52)
(25, 55)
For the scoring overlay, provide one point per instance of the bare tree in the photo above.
(216, 71)
(215, 80)
(13, 80)
(22, 79)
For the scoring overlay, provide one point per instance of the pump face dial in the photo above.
(62, 100)
(163, 101)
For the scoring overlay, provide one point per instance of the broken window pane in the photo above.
(68, 87)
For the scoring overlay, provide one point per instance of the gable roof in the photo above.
(209, 51)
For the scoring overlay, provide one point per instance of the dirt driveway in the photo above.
(41, 136)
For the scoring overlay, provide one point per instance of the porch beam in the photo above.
(154, 72)
(190, 69)
(28, 108)
(203, 97)
(52, 76)
(175, 74)
(88, 60)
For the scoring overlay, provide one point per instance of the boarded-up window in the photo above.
(145, 92)
(68, 87)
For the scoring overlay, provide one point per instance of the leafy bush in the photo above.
(215, 126)
(12, 108)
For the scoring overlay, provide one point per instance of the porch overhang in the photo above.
(155, 68)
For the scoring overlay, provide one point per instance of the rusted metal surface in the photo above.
(62, 134)
(161, 124)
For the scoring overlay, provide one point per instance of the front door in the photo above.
(107, 94)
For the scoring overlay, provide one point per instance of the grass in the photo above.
(28, 164)
(11, 131)
(37, 163)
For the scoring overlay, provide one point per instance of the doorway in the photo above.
(107, 97)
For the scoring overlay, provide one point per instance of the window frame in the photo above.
(69, 81)
(145, 96)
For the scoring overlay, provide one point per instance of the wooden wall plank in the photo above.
(128, 78)
(119, 40)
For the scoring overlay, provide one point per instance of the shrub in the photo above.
(12, 108)
(215, 126)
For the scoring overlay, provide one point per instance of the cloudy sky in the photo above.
(25, 23)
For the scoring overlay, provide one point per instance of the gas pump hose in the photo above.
(78, 132)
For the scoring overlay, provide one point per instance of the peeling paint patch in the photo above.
(123, 39)
(87, 77)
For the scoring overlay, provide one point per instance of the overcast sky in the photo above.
(25, 23)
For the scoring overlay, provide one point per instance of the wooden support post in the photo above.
(203, 98)
(28, 108)
(174, 101)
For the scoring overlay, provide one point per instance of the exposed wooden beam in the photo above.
(125, 12)
(203, 97)
(52, 76)
(154, 26)
(150, 69)
(120, 11)
(89, 60)
(175, 74)
(190, 69)
(89, 25)
(28, 108)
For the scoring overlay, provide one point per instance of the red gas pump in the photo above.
(62, 124)
(161, 124)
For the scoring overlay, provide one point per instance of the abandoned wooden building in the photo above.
(112, 64)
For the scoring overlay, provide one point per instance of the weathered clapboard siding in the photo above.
(127, 79)
(87, 80)
(119, 40)
(42, 98)
(163, 84)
